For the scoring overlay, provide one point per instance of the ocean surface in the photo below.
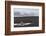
(29, 21)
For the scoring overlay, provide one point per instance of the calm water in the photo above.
(33, 20)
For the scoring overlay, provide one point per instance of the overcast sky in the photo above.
(25, 12)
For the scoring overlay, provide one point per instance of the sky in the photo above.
(20, 12)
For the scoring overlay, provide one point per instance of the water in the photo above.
(32, 21)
